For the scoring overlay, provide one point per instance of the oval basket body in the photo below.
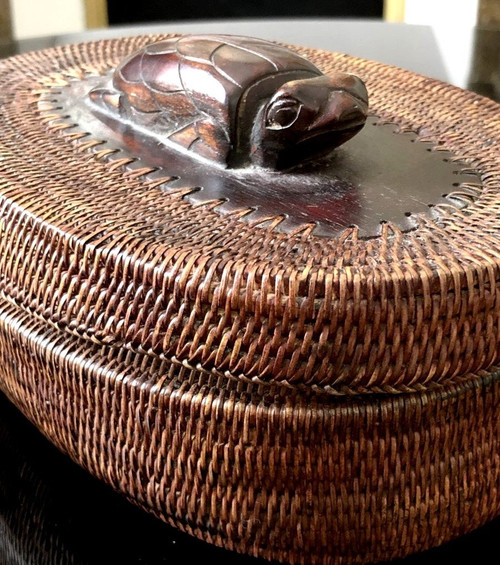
(288, 476)
(292, 396)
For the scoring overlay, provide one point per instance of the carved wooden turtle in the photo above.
(237, 101)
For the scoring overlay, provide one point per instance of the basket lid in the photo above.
(386, 283)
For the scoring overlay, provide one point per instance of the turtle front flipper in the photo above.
(204, 138)
(110, 99)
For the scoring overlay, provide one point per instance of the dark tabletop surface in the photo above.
(53, 512)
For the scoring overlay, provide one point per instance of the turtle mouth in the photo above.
(331, 136)
(317, 145)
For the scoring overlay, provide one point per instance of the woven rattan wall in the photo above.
(278, 474)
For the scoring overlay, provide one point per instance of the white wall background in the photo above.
(452, 24)
(441, 12)
(34, 18)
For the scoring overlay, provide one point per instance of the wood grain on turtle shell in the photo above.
(234, 100)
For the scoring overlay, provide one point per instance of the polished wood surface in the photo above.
(237, 101)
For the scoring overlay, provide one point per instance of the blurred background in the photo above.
(32, 18)
(457, 41)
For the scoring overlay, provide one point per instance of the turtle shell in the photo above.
(192, 86)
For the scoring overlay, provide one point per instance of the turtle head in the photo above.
(305, 119)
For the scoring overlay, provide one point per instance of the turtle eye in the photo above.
(282, 114)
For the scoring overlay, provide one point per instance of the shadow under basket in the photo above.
(272, 388)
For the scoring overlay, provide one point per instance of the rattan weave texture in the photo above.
(302, 478)
(216, 372)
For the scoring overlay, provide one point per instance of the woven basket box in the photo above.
(276, 392)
